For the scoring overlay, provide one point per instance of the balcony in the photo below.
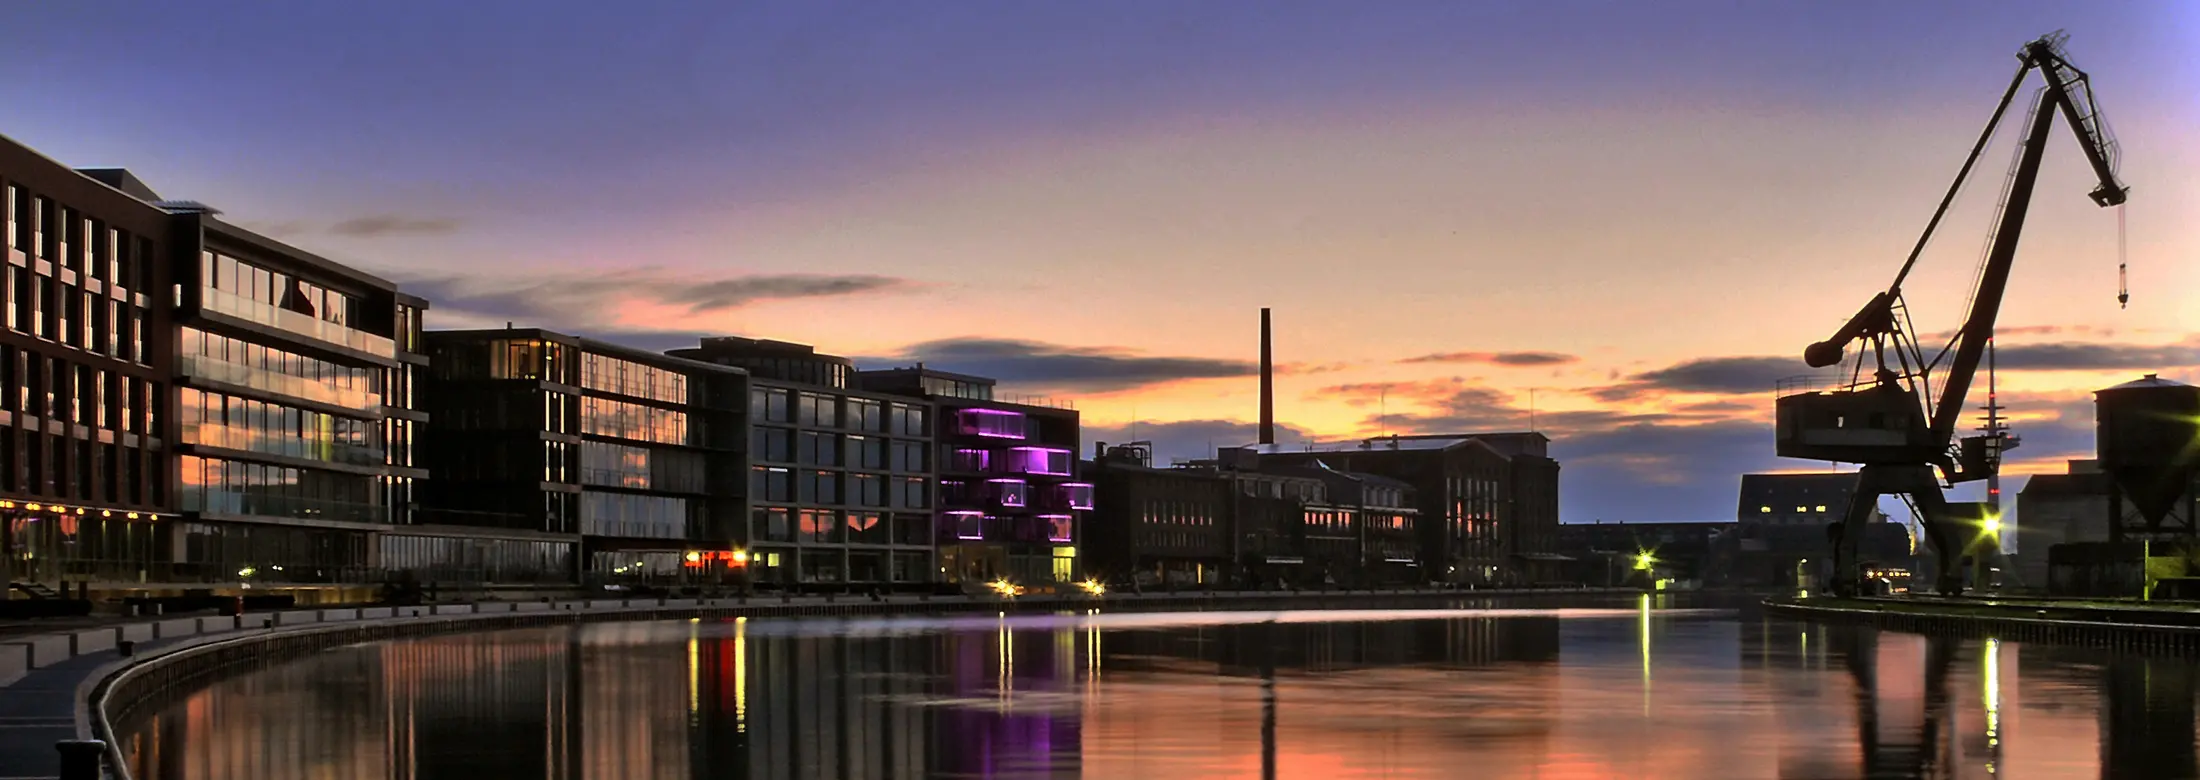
(296, 322)
(1042, 461)
(203, 367)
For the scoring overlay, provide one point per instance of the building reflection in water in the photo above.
(1639, 692)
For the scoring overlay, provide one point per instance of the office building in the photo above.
(840, 478)
(621, 465)
(1009, 497)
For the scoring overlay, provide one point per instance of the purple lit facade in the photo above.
(1008, 492)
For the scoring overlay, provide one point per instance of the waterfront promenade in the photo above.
(60, 686)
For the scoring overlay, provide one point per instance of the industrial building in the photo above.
(1487, 503)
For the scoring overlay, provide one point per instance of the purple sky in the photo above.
(1665, 201)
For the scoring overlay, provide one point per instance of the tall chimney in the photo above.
(1267, 385)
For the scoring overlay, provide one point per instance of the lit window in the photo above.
(1764, 510)
(1821, 509)
(1801, 509)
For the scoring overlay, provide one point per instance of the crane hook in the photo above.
(2123, 266)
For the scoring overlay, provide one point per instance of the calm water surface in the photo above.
(1620, 690)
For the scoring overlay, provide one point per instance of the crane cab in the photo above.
(1879, 424)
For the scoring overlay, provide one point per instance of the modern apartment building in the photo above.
(595, 462)
(294, 411)
(1010, 499)
(840, 477)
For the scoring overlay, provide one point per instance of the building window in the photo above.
(772, 444)
(771, 405)
(822, 411)
(771, 484)
(967, 525)
(820, 525)
(1058, 527)
(864, 415)
(820, 449)
(969, 459)
(914, 494)
(1010, 492)
(867, 490)
(772, 524)
(909, 456)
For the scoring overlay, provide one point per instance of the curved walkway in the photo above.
(48, 682)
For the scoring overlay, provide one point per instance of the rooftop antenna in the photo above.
(1382, 411)
(1531, 410)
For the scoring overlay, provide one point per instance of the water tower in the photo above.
(2149, 446)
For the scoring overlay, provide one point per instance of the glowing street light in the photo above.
(1644, 561)
(1094, 587)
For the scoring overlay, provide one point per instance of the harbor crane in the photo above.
(1892, 421)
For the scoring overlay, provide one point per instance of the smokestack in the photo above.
(1267, 385)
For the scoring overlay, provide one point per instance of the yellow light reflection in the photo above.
(695, 666)
(1645, 630)
(1990, 681)
(741, 674)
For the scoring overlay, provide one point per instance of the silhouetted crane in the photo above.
(1890, 422)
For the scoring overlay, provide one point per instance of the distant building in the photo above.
(1610, 553)
(1488, 503)
(840, 478)
(1157, 525)
(1783, 534)
(1795, 499)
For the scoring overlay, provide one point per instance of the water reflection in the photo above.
(1648, 692)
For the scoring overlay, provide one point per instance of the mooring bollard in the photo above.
(126, 647)
(81, 758)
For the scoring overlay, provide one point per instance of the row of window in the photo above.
(54, 388)
(826, 526)
(976, 526)
(55, 310)
(624, 420)
(217, 485)
(1157, 512)
(626, 377)
(819, 448)
(222, 420)
(1015, 493)
(275, 288)
(449, 559)
(275, 299)
(633, 516)
(275, 370)
(823, 410)
(42, 228)
(40, 464)
(769, 483)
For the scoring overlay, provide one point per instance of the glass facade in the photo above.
(231, 422)
(837, 475)
(218, 358)
(633, 516)
(618, 465)
(625, 420)
(625, 377)
(454, 559)
(258, 295)
(232, 487)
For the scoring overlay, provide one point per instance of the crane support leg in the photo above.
(1941, 531)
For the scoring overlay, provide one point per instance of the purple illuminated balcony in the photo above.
(967, 524)
(992, 423)
(1074, 495)
(967, 459)
(1011, 492)
(1047, 461)
(1058, 527)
